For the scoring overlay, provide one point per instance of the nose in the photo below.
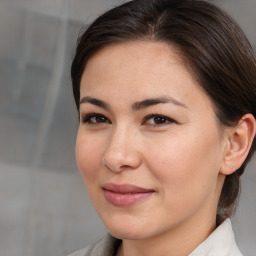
(122, 152)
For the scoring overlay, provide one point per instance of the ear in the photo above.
(239, 142)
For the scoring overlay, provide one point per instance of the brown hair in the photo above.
(214, 46)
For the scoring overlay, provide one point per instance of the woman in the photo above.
(165, 92)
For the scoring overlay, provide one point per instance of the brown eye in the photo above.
(157, 120)
(95, 119)
(160, 120)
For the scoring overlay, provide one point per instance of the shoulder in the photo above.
(82, 252)
(105, 247)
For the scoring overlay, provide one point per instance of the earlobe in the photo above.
(239, 143)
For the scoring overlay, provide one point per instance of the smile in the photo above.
(125, 195)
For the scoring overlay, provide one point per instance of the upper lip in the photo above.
(125, 188)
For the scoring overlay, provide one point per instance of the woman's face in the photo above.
(149, 146)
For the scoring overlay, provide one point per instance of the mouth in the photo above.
(125, 195)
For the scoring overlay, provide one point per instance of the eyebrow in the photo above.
(135, 106)
(154, 101)
(95, 102)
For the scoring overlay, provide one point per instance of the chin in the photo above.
(122, 228)
(128, 234)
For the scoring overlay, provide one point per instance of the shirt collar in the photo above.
(220, 243)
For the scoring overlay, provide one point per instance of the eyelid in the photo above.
(85, 118)
(170, 120)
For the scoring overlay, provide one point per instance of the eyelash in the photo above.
(162, 120)
(87, 119)
(165, 119)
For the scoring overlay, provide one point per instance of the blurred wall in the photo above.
(44, 208)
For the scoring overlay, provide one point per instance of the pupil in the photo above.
(159, 120)
(100, 119)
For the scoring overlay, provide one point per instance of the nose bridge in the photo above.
(122, 152)
(121, 135)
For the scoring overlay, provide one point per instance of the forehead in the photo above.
(140, 69)
(140, 53)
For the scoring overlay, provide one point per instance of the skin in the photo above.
(179, 156)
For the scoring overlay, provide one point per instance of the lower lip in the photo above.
(125, 200)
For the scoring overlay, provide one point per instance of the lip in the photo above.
(125, 195)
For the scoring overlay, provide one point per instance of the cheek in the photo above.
(88, 156)
(186, 174)
(184, 162)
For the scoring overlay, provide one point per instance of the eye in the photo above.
(156, 119)
(94, 118)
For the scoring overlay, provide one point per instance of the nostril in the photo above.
(118, 162)
(125, 166)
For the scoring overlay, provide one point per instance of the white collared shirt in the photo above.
(221, 242)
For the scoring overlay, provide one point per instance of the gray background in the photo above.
(44, 208)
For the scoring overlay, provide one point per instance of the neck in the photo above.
(180, 241)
